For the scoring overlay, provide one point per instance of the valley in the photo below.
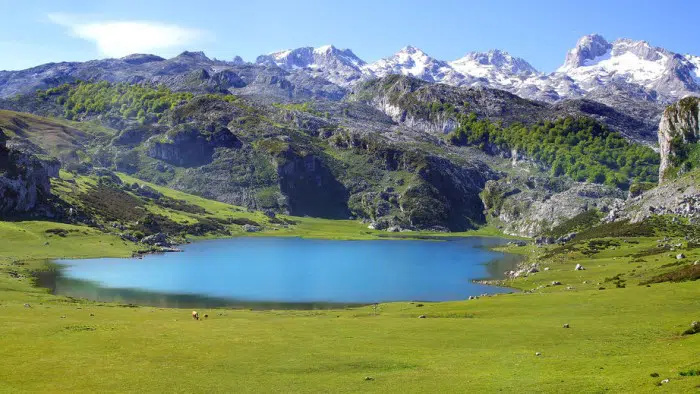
(589, 174)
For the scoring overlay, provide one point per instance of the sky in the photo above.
(34, 32)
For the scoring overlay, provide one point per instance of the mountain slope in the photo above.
(339, 66)
(411, 61)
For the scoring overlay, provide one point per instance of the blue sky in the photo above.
(540, 31)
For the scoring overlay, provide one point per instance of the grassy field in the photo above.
(621, 333)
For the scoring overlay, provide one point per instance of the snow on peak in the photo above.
(482, 64)
(339, 66)
(594, 62)
(593, 66)
(414, 62)
(587, 48)
(324, 49)
(695, 69)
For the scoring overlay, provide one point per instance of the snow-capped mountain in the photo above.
(339, 66)
(412, 61)
(595, 63)
(496, 69)
(593, 68)
(494, 65)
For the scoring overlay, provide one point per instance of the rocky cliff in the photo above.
(678, 131)
(24, 180)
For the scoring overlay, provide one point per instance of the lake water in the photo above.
(290, 272)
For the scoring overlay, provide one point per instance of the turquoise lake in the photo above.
(290, 271)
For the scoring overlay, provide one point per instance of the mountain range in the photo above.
(592, 68)
(633, 77)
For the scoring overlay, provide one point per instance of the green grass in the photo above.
(618, 336)
(616, 340)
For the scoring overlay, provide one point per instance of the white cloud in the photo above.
(121, 38)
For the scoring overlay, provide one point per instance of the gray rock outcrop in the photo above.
(678, 126)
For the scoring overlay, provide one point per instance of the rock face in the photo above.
(186, 145)
(528, 207)
(679, 127)
(310, 187)
(24, 180)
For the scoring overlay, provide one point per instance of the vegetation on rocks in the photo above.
(580, 147)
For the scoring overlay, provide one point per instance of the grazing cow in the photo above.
(195, 315)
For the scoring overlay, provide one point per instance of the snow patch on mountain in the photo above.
(340, 66)
(412, 61)
(695, 71)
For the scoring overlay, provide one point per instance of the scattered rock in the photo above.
(538, 354)
(421, 317)
(546, 268)
(269, 213)
(249, 228)
(680, 256)
(579, 267)
(665, 381)
(566, 238)
(544, 241)
(158, 239)
(63, 317)
(92, 315)
(369, 378)
(556, 283)
(566, 325)
(27, 306)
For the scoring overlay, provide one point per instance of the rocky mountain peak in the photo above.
(494, 58)
(140, 58)
(237, 60)
(641, 49)
(587, 48)
(195, 56)
(414, 62)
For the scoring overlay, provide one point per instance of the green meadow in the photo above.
(623, 335)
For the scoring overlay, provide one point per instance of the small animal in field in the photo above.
(206, 316)
(195, 315)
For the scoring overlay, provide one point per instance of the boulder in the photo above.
(249, 228)
(579, 267)
(158, 239)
